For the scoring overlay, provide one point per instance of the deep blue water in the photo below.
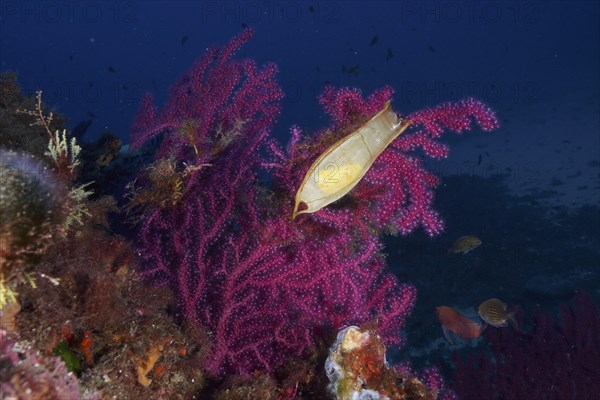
(509, 54)
(535, 63)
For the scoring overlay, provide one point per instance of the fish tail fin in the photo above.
(512, 317)
(483, 326)
(448, 335)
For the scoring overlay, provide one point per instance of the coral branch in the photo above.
(264, 287)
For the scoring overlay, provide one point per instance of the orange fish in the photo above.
(455, 323)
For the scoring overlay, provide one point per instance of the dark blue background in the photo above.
(536, 63)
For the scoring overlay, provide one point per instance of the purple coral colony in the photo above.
(221, 294)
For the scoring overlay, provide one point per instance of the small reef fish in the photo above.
(355, 69)
(464, 244)
(374, 41)
(81, 128)
(495, 313)
(453, 322)
(389, 55)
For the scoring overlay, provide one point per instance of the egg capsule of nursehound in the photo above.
(344, 164)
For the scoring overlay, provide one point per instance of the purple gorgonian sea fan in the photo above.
(262, 286)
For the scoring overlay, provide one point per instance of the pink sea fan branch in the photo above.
(397, 193)
(265, 287)
(217, 95)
